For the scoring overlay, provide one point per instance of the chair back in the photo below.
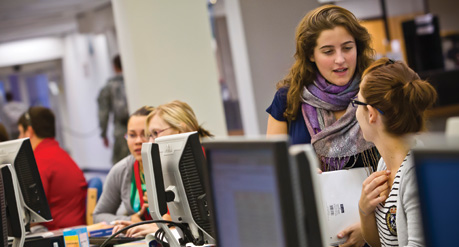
(94, 192)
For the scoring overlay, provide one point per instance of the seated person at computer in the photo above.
(391, 106)
(124, 186)
(174, 117)
(63, 181)
(168, 119)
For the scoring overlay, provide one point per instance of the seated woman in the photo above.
(172, 118)
(125, 183)
(391, 105)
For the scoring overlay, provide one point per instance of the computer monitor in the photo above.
(26, 200)
(4, 225)
(181, 159)
(253, 192)
(157, 200)
(437, 172)
(307, 164)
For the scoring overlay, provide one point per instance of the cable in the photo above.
(187, 234)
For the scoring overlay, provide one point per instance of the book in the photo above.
(76, 237)
(100, 229)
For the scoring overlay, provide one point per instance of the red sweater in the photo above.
(64, 184)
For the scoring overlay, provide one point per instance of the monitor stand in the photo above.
(156, 215)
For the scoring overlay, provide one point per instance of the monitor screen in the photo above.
(252, 197)
(437, 171)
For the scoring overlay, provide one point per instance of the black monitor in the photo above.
(252, 190)
(437, 172)
(25, 196)
(4, 225)
(181, 161)
(307, 163)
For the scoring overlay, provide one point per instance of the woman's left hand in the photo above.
(120, 224)
(354, 234)
(142, 230)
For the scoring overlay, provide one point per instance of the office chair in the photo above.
(94, 192)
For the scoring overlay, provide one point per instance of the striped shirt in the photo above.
(386, 213)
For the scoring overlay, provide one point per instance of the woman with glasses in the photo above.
(123, 192)
(390, 109)
(173, 118)
(168, 119)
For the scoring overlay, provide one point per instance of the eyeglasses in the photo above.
(154, 133)
(355, 103)
(134, 136)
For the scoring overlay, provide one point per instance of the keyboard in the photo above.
(116, 240)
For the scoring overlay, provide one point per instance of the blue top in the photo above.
(297, 129)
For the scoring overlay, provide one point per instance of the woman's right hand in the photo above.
(374, 191)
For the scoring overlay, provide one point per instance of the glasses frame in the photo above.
(356, 102)
(143, 137)
(154, 136)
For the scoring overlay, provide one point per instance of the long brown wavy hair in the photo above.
(303, 71)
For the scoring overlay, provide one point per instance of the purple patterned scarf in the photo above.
(334, 141)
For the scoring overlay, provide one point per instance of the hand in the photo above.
(142, 230)
(106, 142)
(137, 217)
(375, 190)
(319, 171)
(120, 224)
(354, 234)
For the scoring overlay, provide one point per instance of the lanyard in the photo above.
(138, 184)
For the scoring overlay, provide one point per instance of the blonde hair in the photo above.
(180, 116)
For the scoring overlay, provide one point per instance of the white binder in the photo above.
(338, 201)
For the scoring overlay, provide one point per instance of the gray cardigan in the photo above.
(116, 193)
(408, 218)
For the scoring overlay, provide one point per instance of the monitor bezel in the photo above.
(306, 163)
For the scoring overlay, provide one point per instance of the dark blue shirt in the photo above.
(297, 129)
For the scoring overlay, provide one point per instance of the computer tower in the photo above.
(423, 43)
